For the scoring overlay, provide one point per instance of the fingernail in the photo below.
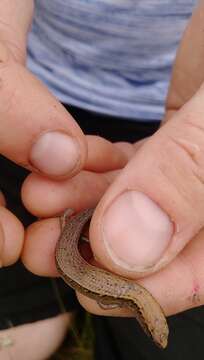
(55, 153)
(136, 231)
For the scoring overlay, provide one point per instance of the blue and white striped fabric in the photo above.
(108, 56)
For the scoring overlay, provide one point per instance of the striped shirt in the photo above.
(109, 56)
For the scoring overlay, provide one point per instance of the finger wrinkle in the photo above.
(188, 148)
(194, 152)
(191, 148)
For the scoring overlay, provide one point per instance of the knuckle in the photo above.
(182, 170)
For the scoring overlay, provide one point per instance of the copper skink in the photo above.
(108, 289)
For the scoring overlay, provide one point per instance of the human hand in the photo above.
(84, 190)
(164, 184)
(36, 132)
(162, 243)
(149, 224)
(19, 150)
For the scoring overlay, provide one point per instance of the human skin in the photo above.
(35, 127)
(168, 186)
(171, 160)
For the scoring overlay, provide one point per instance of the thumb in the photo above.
(155, 206)
(35, 129)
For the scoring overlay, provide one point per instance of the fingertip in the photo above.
(56, 154)
(104, 156)
(11, 237)
(43, 197)
(39, 248)
(127, 148)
